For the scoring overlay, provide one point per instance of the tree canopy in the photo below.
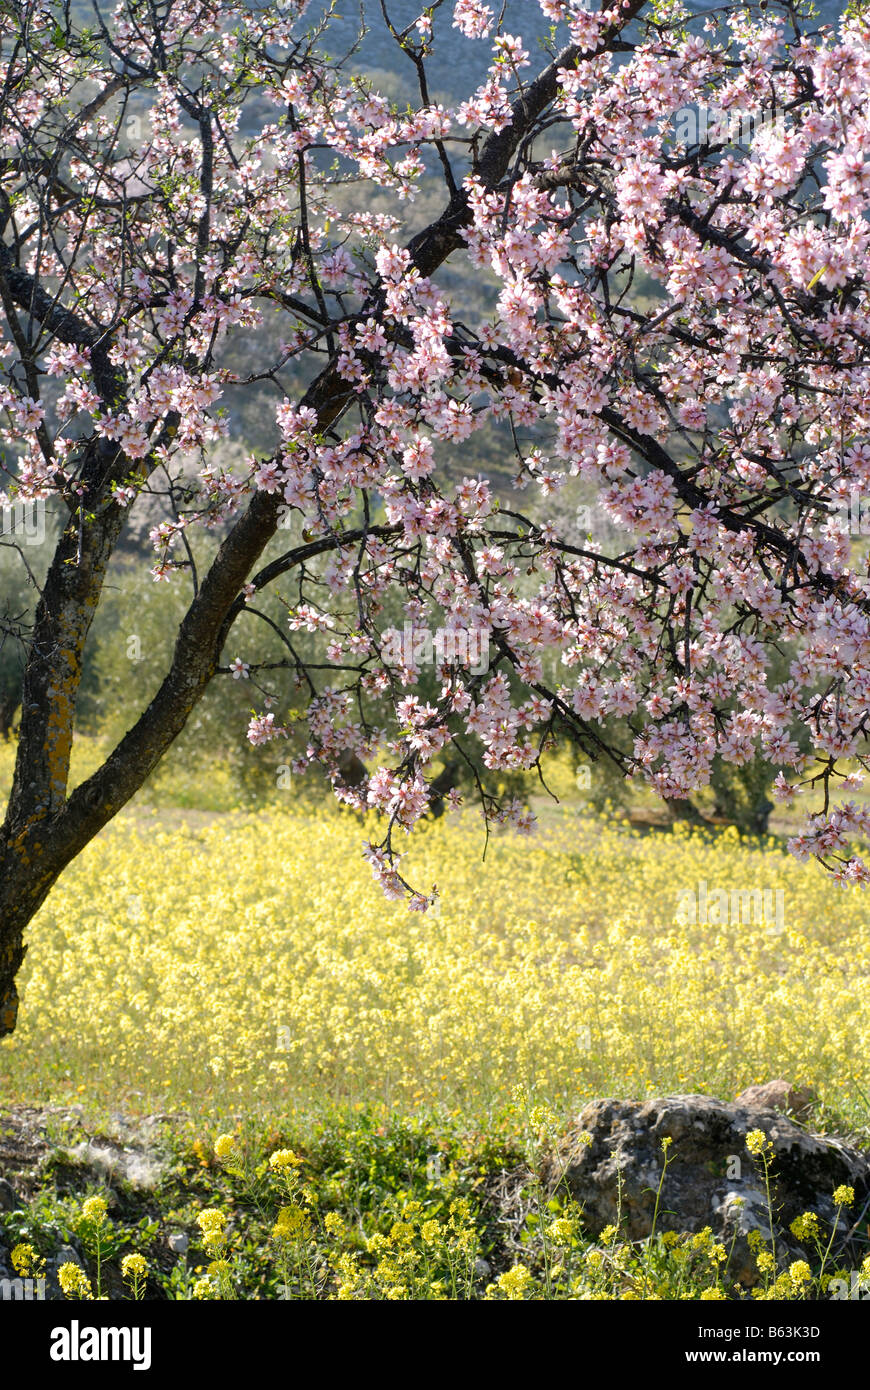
(648, 274)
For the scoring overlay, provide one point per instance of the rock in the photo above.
(779, 1095)
(67, 1255)
(711, 1178)
(178, 1242)
(8, 1199)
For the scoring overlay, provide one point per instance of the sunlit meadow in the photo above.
(241, 960)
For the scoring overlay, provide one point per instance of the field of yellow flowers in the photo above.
(361, 1093)
(246, 961)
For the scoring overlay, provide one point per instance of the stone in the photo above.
(779, 1095)
(66, 1255)
(8, 1198)
(711, 1180)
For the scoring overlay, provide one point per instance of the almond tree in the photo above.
(668, 214)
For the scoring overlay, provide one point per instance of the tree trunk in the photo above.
(9, 704)
(681, 809)
(24, 886)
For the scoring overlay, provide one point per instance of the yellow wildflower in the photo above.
(74, 1282)
(282, 1159)
(94, 1209)
(562, 1231)
(334, 1224)
(134, 1266)
(758, 1143)
(515, 1283)
(224, 1146)
(25, 1260)
(805, 1226)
